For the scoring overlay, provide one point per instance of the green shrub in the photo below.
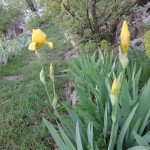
(9, 13)
(92, 115)
(88, 47)
(105, 46)
(34, 20)
(141, 60)
(88, 20)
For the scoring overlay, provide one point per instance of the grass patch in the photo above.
(23, 100)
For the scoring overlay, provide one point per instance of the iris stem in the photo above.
(45, 85)
(110, 146)
(54, 87)
(119, 94)
(111, 143)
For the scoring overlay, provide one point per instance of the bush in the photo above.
(92, 116)
(141, 60)
(88, 47)
(105, 46)
(88, 20)
(89, 73)
(34, 20)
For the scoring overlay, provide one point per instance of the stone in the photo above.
(71, 51)
(147, 20)
(133, 32)
(137, 44)
(141, 2)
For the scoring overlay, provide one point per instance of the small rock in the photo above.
(133, 32)
(70, 53)
(137, 44)
(146, 20)
(74, 98)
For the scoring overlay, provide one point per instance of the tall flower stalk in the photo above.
(52, 76)
(39, 38)
(117, 85)
(44, 77)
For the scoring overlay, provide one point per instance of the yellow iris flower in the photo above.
(51, 72)
(114, 89)
(38, 38)
(125, 37)
(51, 69)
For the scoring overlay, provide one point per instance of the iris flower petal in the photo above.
(38, 38)
(32, 46)
(50, 44)
(114, 89)
(125, 37)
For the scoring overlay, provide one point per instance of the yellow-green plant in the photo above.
(147, 43)
(39, 38)
(92, 71)
(123, 50)
(122, 114)
(54, 103)
(105, 45)
(95, 108)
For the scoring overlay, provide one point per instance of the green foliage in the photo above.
(3, 55)
(93, 77)
(147, 43)
(88, 47)
(88, 110)
(9, 13)
(105, 46)
(12, 48)
(141, 60)
(88, 20)
(35, 21)
(65, 143)
(23, 100)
